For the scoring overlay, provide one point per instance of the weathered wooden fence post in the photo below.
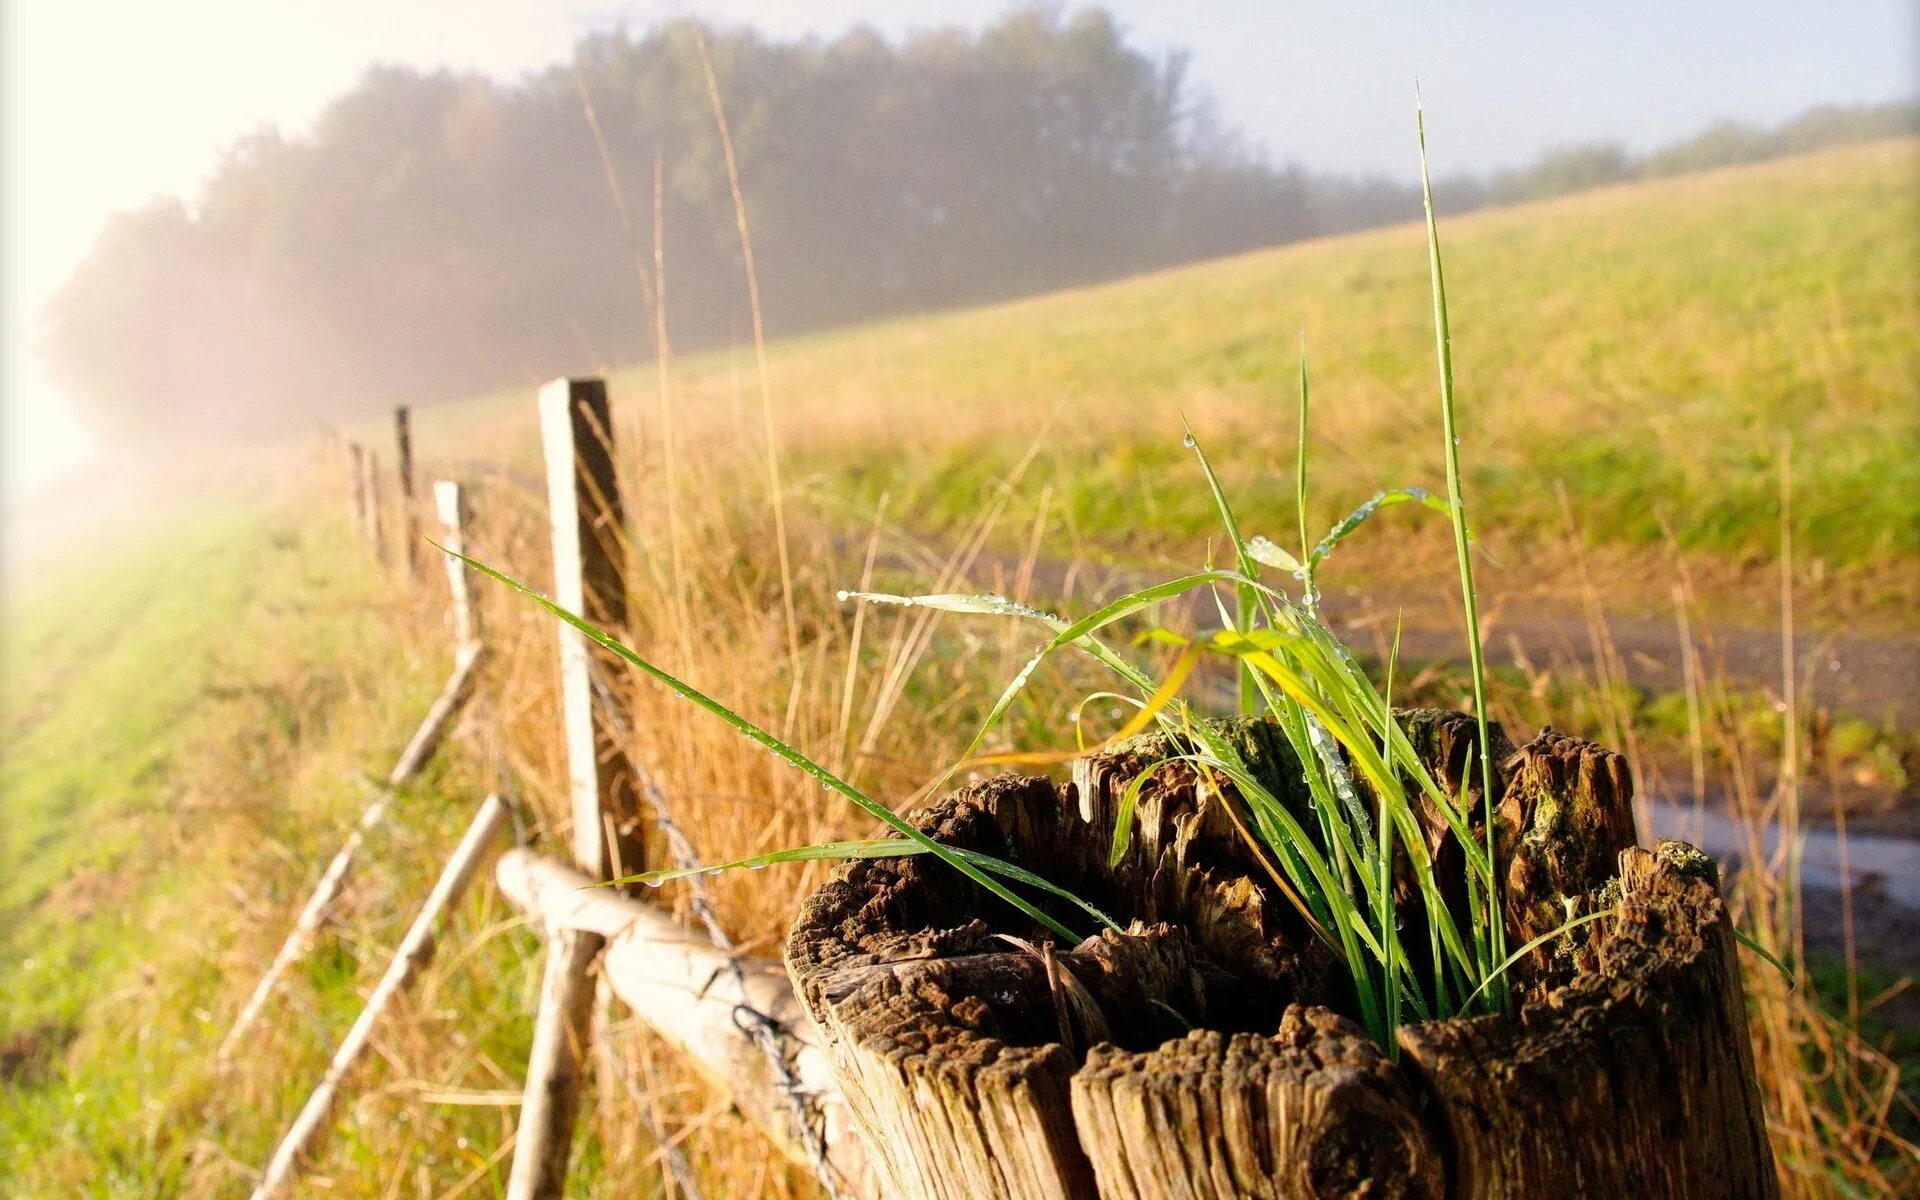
(583, 498)
(589, 542)
(409, 519)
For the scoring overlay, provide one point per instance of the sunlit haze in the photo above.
(107, 105)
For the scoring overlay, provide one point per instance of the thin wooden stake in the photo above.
(451, 507)
(376, 529)
(357, 472)
(544, 1138)
(333, 880)
(409, 519)
(413, 953)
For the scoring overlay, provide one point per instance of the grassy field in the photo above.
(1630, 362)
(179, 762)
(1647, 347)
(185, 718)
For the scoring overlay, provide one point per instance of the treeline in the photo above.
(1725, 143)
(438, 235)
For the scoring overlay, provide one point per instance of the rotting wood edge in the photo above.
(1626, 1071)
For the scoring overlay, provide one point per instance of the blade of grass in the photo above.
(865, 849)
(1443, 346)
(1300, 480)
(776, 492)
(779, 749)
(1164, 695)
(818, 852)
(1768, 956)
(1138, 601)
(1384, 860)
(1123, 812)
(1246, 600)
(1079, 633)
(1390, 498)
(1543, 939)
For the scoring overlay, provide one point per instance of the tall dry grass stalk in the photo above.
(775, 492)
(663, 359)
(1834, 1102)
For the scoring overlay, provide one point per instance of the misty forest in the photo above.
(440, 235)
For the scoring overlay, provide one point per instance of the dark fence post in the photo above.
(409, 519)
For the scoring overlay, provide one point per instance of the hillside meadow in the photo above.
(1646, 347)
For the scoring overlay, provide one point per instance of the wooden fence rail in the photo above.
(675, 980)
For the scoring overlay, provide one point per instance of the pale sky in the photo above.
(109, 104)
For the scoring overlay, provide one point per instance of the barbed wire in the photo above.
(774, 1039)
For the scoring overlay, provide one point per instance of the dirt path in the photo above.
(1875, 676)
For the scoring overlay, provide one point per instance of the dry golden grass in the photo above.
(886, 698)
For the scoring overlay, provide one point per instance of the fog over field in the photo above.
(441, 235)
(437, 230)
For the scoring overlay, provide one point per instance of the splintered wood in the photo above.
(1202, 1055)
